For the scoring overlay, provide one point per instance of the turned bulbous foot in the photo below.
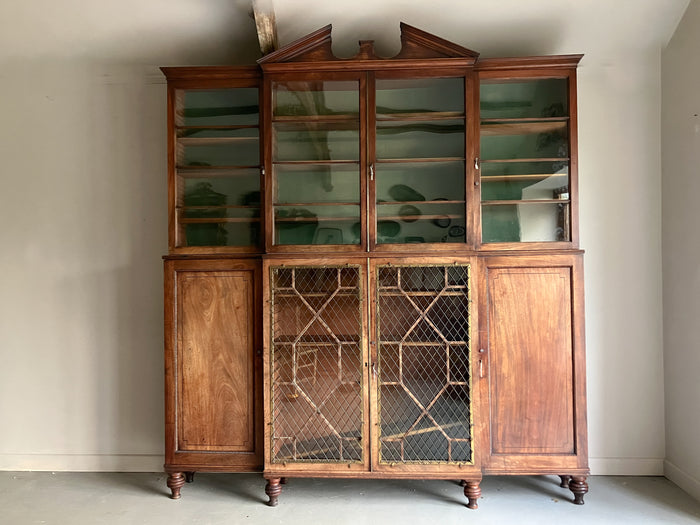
(564, 481)
(273, 490)
(175, 482)
(579, 487)
(472, 491)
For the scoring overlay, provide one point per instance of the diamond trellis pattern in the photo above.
(423, 350)
(316, 364)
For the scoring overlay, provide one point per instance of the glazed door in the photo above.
(316, 367)
(421, 367)
(212, 381)
(532, 343)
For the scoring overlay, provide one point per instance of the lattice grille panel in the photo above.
(423, 350)
(316, 364)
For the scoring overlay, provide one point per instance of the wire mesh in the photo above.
(316, 364)
(423, 353)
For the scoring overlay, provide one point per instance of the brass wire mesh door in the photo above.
(424, 397)
(317, 365)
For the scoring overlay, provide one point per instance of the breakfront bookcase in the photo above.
(374, 267)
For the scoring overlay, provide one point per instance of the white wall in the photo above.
(620, 186)
(83, 220)
(681, 263)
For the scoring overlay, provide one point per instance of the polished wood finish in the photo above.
(213, 367)
(217, 355)
(532, 341)
(526, 353)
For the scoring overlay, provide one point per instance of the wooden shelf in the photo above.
(409, 218)
(220, 207)
(515, 178)
(419, 115)
(396, 292)
(425, 343)
(419, 159)
(398, 203)
(216, 220)
(343, 117)
(316, 219)
(313, 162)
(212, 170)
(208, 141)
(197, 172)
(301, 204)
(319, 339)
(521, 128)
(525, 201)
(543, 159)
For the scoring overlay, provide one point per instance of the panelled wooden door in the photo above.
(215, 377)
(535, 378)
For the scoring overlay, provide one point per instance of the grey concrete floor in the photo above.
(95, 498)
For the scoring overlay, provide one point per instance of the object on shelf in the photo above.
(328, 236)
(205, 234)
(409, 213)
(401, 192)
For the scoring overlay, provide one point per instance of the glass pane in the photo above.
(420, 139)
(317, 365)
(419, 96)
(423, 350)
(526, 222)
(524, 140)
(321, 184)
(503, 184)
(524, 98)
(421, 222)
(219, 147)
(220, 209)
(419, 181)
(315, 142)
(223, 107)
(315, 98)
(420, 202)
(312, 224)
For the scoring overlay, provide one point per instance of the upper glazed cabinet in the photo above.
(362, 156)
(433, 147)
(214, 159)
(526, 165)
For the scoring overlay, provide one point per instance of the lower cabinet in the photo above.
(532, 350)
(407, 368)
(368, 371)
(213, 372)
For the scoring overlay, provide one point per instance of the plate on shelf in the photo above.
(401, 192)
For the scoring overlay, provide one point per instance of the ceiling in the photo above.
(179, 32)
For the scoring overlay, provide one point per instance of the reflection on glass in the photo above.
(222, 209)
(502, 99)
(526, 222)
(322, 98)
(420, 202)
(524, 140)
(525, 160)
(317, 183)
(420, 139)
(317, 224)
(315, 143)
(419, 222)
(430, 180)
(224, 107)
(419, 96)
(220, 147)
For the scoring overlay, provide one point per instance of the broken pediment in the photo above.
(415, 45)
